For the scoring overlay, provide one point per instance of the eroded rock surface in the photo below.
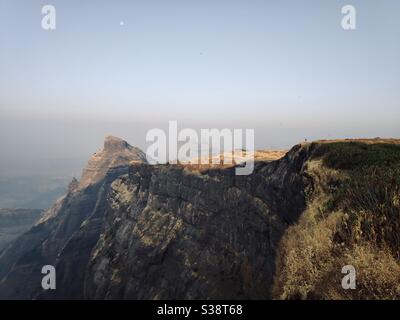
(174, 234)
(22, 261)
(160, 232)
(116, 152)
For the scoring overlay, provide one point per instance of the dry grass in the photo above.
(230, 159)
(377, 274)
(360, 227)
(310, 260)
(304, 258)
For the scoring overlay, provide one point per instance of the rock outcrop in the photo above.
(171, 233)
(21, 262)
(159, 231)
(116, 152)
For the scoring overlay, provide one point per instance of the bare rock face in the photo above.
(46, 242)
(116, 152)
(150, 232)
(137, 231)
(170, 233)
(73, 185)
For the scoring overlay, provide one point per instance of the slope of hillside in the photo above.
(352, 218)
(14, 222)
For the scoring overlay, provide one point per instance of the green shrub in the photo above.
(355, 155)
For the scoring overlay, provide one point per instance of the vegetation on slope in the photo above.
(353, 217)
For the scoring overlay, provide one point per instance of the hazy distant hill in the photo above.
(31, 192)
(14, 222)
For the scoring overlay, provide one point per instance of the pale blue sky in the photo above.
(285, 68)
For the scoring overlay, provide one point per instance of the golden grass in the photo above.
(363, 233)
(230, 159)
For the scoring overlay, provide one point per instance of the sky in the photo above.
(286, 69)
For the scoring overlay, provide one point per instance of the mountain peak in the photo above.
(116, 152)
(113, 144)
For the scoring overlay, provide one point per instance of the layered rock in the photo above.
(21, 262)
(116, 152)
(170, 232)
(159, 231)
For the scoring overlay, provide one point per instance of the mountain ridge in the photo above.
(167, 232)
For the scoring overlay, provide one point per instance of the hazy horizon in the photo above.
(284, 68)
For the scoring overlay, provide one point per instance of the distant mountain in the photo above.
(14, 222)
(130, 230)
(40, 191)
(116, 152)
(31, 191)
(44, 243)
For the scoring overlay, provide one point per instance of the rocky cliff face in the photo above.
(154, 232)
(46, 242)
(171, 232)
(116, 152)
